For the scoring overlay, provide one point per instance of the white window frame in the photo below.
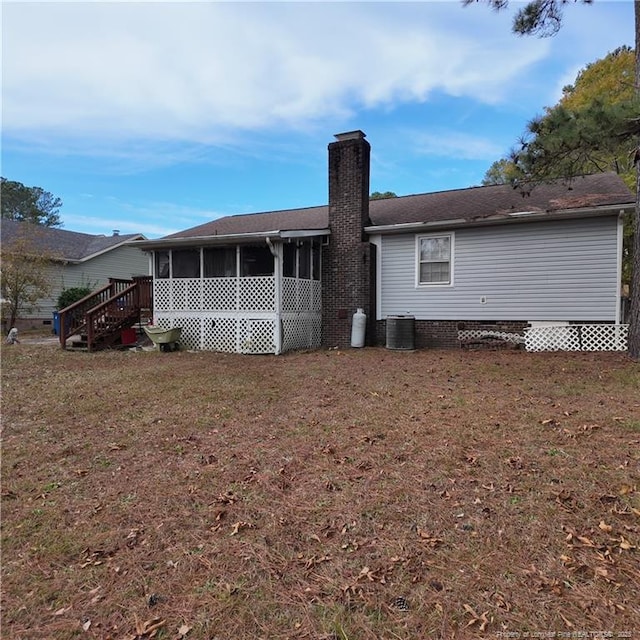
(429, 285)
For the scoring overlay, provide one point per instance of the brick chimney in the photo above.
(346, 261)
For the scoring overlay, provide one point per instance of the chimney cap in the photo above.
(350, 135)
(116, 232)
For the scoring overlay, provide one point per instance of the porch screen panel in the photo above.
(289, 251)
(220, 262)
(186, 263)
(316, 261)
(304, 261)
(162, 264)
(256, 261)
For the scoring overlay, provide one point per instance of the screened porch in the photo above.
(261, 296)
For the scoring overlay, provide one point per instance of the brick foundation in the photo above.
(444, 333)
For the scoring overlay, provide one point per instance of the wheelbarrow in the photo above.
(164, 339)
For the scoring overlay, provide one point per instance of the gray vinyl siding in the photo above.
(562, 270)
(123, 262)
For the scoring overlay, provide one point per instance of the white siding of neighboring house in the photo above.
(122, 262)
(561, 270)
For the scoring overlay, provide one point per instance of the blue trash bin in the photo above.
(56, 323)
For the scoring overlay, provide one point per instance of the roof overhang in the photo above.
(500, 218)
(228, 239)
(126, 242)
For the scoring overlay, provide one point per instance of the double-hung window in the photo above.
(435, 260)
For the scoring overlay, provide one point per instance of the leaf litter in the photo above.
(356, 493)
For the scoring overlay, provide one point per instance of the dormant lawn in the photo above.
(365, 494)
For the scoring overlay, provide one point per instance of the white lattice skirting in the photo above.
(238, 315)
(577, 337)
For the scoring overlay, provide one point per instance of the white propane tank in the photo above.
(358, 328)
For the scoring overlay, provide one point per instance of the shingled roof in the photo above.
(472, 205)
(288, 220)
(477, 204)
(70, 246)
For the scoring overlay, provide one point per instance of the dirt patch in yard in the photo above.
(329, 495)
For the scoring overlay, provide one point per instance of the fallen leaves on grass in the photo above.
(96, 596)
(96, 557)
(625, 544)
(607, 528)
(133, 537)
(226, 498)
(240, 526)
(584, 541)
(480, 620)
(542, 582)
(148, 629)
(368, 574)
(311, 562)
(567, 622)
(184, 630)
(428, 538)
(323, 516)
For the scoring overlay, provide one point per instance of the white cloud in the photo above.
(455, 144)
(567, 78)
(207, 72)
(105, 225)
(135, 217)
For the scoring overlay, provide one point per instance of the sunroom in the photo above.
(248, 293)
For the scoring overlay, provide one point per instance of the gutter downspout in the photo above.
(619, 242)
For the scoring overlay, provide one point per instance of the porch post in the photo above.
(276, 251)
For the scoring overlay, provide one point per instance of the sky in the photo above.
(150, 117)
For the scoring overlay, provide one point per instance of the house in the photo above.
(77, 260)
(478, 258)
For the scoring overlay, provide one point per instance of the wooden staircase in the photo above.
(99, 319)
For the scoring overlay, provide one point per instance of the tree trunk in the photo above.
(13, 316)
(634, 320)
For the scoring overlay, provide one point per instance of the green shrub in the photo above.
(69, 296)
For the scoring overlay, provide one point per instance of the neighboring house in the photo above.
(77, 260)
(462, 259)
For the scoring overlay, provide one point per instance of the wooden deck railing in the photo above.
(111, 316)
(144, 291)
(104, 313)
